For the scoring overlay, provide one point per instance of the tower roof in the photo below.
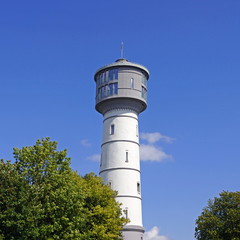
(122, 62)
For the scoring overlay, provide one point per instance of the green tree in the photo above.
(42, 198)
(220, 220)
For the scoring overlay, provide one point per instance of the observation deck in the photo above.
(122, 84)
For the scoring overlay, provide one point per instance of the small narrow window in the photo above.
(132, 83)
(101, 160)
(112, 129)
(138, 187)
(110, 184)
(125, 211)
(137, 130)
(126, 160)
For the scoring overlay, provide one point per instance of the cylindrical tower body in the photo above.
(121, 90)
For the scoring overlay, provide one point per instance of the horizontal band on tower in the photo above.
(129, 196)
(120, 116)
(134, 89)
(119, 168)
(120, 141)
(133, 228)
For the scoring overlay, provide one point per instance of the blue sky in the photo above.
(49, 52)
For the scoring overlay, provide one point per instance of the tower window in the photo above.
(126, 160)
(144, 92)
(112, 129)
(115, 74)
(111, 75)
(107, 83)
(111, 89)
(132, 83)
(138, 188)
(137, 130)
(144, 80)
(115, 86)
(106, 76)
(125, 211)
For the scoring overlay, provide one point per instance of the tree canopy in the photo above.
(41, 198)
(220, 220)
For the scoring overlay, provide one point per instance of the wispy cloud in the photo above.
(155, 137)
(85, 143)
(94, 157)
(154, 234)
(152, 153)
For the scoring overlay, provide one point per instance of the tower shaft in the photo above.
(120, 167)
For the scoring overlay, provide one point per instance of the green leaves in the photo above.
(103, 214)
(42, 198)
(220, 220)
(41, 161)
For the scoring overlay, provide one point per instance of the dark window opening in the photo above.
(138, 187)
(112, 128)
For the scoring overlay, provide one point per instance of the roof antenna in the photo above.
(122, 49)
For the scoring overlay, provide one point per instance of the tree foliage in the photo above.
(42, 198)
(220, 220)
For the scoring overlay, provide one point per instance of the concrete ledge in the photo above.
(119, 168)
(133, 228)
(132, 232)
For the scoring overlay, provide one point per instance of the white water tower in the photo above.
(121, 94)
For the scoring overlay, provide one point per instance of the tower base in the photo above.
(132, 232)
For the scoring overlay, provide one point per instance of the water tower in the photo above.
(121, 94)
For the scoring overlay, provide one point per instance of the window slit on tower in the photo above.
(125, 211)
(112, 129)
(138, 187)
(132, 83)
(126, 160)
(101, 160)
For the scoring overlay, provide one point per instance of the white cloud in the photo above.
(152, 153)
(155, 137)
(153, 234)
(95, 158)
(85, 143)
